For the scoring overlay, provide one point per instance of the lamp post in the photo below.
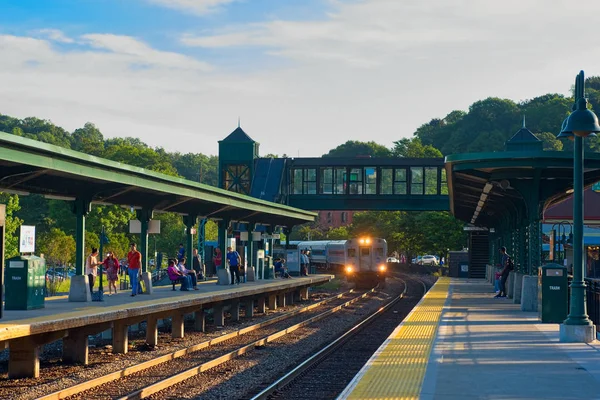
(578, 125)
(562, 239)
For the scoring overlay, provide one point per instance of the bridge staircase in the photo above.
(268, 182)
(478, 254)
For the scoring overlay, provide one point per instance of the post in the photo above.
(2, 225)
(578, 312)
(145, 215)
(189, 221)
(79, 290)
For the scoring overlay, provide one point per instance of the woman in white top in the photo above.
(91, 267)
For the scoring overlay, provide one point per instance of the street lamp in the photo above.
(562, 239)
(580, 124)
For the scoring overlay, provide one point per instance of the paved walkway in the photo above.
(487, 348)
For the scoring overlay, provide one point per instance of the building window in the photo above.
(236, 178)
(400, 181)
(344, 216)
(329, 217)
(416, 180)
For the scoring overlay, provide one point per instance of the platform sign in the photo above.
(27, 239)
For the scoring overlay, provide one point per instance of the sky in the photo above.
(302, 76)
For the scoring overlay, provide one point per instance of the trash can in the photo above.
(25, 283)
(553, 291)
(269, 270)
(463, 269)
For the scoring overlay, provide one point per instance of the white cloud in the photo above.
(369, 70)
(199, 7)
(55, 35)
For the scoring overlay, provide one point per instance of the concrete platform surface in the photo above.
(488, 348)
(61, 314)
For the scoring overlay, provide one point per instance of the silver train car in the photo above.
(366, 260)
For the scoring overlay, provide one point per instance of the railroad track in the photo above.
(327, 372)
(164, 374)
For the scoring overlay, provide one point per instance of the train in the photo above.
(362, 260)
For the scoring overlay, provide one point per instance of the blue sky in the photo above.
(303, 75)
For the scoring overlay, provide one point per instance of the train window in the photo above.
(387, 175)
(365, 251)
(326, 181)
(416, 180)
(379, 252)
(400, 181)
(351, 252)
(444, 181)
(431, 180)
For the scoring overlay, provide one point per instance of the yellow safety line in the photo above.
(399, 370)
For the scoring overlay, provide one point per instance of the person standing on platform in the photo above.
(112, 271)
(234, 259)
(505, 262)
(181, 252)
(198, 265)
(134, 259)
(91, 267)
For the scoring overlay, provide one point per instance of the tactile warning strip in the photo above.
(397, 369)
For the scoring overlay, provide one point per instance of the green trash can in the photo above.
(553, 292)
(269, 270)
(25, 283)
(463, 270)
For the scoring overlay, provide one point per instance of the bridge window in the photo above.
(386, 181)
(444, 182)
(309, 183)
(355, 181)
(370, 180)
(326, 180)
(297, 181)
(340, 174)
(416, 180)
(431, 180)
(400, 181)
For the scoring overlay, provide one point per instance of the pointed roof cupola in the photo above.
(524, 140)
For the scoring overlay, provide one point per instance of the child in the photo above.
(497, 277)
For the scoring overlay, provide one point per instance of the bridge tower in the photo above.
(236, 161)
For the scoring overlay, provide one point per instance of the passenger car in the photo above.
(428, 260)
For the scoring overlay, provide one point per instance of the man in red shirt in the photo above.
(134, 258)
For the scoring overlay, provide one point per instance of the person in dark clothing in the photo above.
(504, 262)
(234, 259)
(198, 265)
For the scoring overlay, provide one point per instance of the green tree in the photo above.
(88, 140)
(58, 247)
(413, 148)
(340, 233)
(353, 148)
(11, 240)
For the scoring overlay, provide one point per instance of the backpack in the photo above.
(510, 263)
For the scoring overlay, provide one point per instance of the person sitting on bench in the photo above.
(280, 268)
(177, 276)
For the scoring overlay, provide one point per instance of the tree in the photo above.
(11, 240)
(340, 233)
(88, 140)
(58, 247)
(353, 148)
(413, 148)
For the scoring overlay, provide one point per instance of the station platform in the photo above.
(25, 331)
(461, 343)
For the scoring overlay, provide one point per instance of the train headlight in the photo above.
(368, 241)
(382, 268)
(349, 269)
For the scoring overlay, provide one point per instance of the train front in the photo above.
(365, 260)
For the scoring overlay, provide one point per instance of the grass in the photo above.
(58, 288)
(333, 284)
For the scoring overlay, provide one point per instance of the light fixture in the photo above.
(582, 122)
(58, 197)
(569, 191)
(18, 192)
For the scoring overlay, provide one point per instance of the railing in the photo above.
(592, 293)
